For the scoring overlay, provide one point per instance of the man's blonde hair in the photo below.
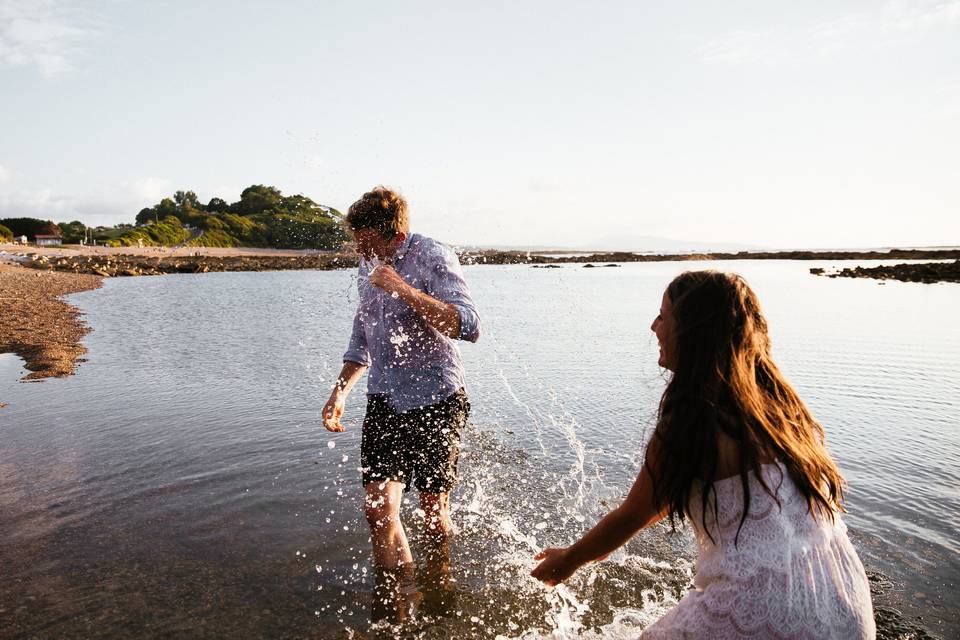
(382, 209)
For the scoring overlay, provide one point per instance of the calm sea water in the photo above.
(181, 484)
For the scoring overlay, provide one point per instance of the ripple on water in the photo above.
(185, 459)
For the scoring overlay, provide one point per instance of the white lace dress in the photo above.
(789, 575)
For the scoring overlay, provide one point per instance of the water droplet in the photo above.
(331, 444)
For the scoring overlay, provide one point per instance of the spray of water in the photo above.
(514, 501)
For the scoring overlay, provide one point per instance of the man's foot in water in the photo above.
(395, 596)
(439, 594)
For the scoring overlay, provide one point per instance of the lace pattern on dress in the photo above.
(787, 575)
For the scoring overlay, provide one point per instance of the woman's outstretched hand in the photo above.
(554, 568)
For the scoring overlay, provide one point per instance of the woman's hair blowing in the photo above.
(725, 381)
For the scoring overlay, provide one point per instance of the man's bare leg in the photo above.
(381, 506)
(394, 588)
(436, 509)
(439, 597)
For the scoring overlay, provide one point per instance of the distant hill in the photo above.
(656, 244)
(262, 217)
(631, 243)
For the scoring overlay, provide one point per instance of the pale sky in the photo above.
(774, 124)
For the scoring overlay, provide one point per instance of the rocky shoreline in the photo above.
(928, 272)
(523, 257)
(37, 325)
(118, 265)
(124, 264)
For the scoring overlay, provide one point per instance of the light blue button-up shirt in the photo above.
(411, 362)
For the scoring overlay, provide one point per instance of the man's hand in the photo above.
(440, 315)
(385, 277)
(332, 412)
(554, 568)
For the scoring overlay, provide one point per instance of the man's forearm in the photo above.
(440, 315)
(348, 377)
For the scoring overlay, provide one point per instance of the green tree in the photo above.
(5, 234)
(158, 212)
(165, 209)
(257, 198)
(145, 216)
(72, 232)
(217, 205)
(187, 200)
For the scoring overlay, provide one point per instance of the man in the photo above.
(414, 303)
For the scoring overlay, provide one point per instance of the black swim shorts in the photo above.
(420, 446)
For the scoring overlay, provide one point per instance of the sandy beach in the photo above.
(37, 324)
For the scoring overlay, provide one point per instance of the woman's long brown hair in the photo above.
(725, 380)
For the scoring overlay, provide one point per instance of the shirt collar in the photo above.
(402, 249)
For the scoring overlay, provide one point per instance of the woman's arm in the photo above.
(613, 530)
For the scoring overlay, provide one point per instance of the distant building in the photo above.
(48, 240)
(21, 240)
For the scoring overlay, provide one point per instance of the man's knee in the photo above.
(380, 510)
(436, 511)
(434, 502)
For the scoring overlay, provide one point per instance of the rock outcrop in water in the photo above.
(928, 272)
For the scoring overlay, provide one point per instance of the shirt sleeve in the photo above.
(447, 285)
(357, 350)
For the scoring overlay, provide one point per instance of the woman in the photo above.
(737, 452)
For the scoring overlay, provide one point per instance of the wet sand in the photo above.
(37, 325)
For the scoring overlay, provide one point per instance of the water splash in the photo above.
(515, 501)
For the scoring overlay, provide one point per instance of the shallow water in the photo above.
(181, 482)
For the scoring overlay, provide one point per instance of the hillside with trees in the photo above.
(262, 217)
